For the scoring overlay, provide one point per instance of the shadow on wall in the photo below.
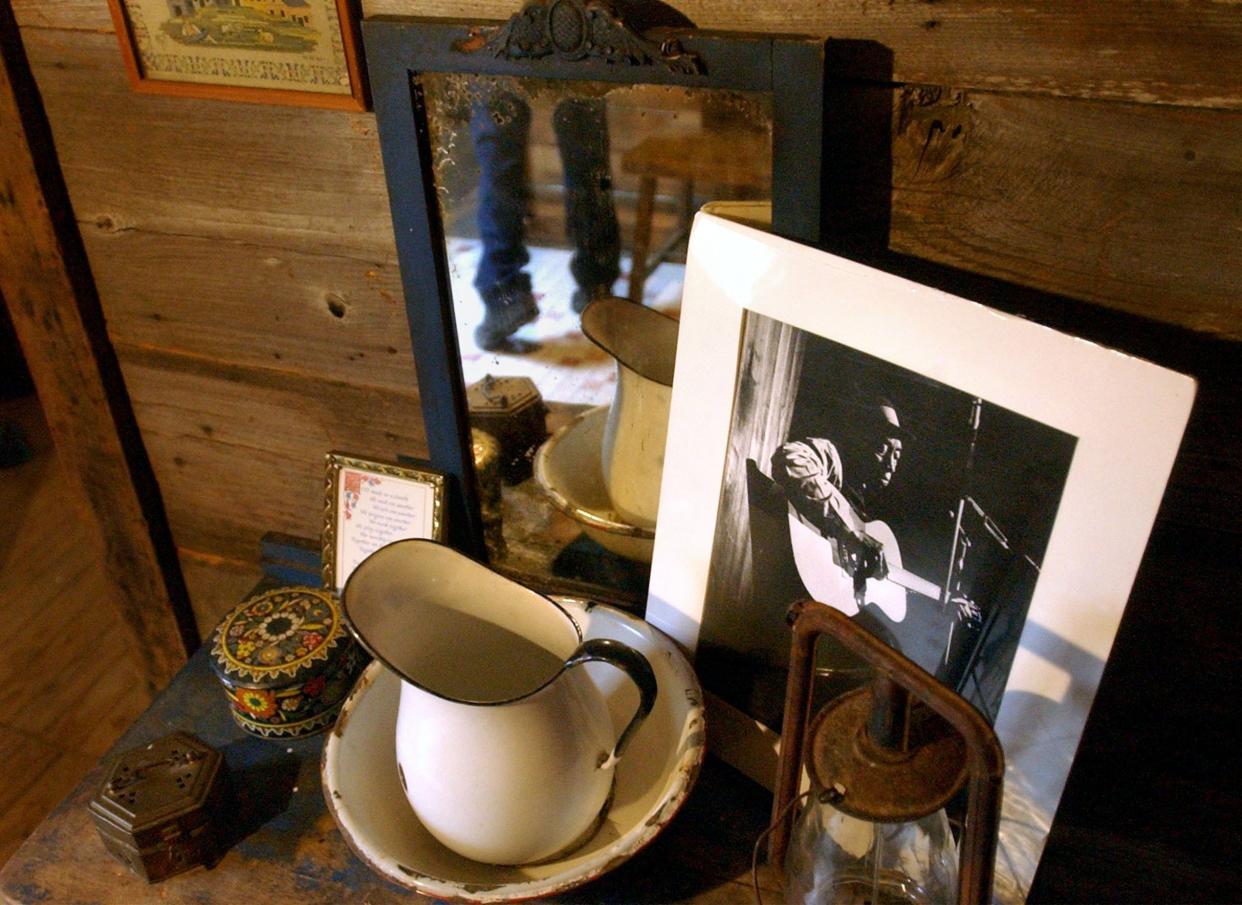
(14, 377)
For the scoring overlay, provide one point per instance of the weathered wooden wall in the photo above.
(55, 313)
(245, 260)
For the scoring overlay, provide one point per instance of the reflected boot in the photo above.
(504, 314)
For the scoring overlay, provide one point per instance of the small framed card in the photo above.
(370, 504)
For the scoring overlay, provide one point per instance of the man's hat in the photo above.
(877, 416)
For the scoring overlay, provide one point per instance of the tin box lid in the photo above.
(167, 779)
(280, 637)
(502, 395)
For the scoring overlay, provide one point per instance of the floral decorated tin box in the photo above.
(287, 661)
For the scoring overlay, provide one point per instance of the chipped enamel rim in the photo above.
(606, 521)
(644, 806)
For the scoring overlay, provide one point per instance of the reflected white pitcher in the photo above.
(505, 747)
(644, 344)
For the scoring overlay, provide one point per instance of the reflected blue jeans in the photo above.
(500, 129)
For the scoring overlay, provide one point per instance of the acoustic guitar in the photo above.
(822, 567)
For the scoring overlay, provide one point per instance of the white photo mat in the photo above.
(368, 505)
(1127, 415)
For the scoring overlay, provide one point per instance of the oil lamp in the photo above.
(882, 763)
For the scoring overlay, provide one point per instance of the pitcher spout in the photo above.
(454, 627)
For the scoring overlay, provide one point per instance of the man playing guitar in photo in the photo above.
(843, 559)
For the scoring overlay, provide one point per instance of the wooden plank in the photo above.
(67, 697)
(336, 317)
(216, 584)
(239, 450)
(79, 15)
(55, 779)
(1132, 50)
(52, 774)
(1134, 207)
(27, 666)
(100, 697)
(48, 545)
(271, 175)
(45, 282)
(1139, 209)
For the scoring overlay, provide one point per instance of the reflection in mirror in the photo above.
(554, 194)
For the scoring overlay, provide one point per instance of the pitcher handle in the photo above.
(634, 665)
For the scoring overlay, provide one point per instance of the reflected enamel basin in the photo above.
(568, 469)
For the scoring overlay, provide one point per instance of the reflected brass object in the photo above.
(159, 809)
(578, 30)
(512, 411)
(486, 449)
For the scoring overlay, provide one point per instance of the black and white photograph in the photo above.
(962, 483)
(918, 510)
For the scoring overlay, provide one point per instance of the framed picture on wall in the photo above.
(370, 504)
(992, 481)
(297, 52)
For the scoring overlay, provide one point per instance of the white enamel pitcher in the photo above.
(505, 747)
(644, 343)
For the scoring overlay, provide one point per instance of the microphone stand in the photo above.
(957, 554)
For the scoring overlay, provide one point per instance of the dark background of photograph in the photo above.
(1017, 478)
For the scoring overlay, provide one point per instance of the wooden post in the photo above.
(46, 283)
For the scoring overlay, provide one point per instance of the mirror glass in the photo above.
(553, 194)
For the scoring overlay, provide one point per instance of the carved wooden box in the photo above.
(512, 411)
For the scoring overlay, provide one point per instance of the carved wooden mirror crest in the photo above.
(536, 165)
(574, 30)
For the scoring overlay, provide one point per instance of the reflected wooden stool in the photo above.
(736, 159)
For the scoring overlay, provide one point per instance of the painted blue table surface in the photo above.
(286, 848)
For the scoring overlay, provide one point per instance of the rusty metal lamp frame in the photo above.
(896, 677)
